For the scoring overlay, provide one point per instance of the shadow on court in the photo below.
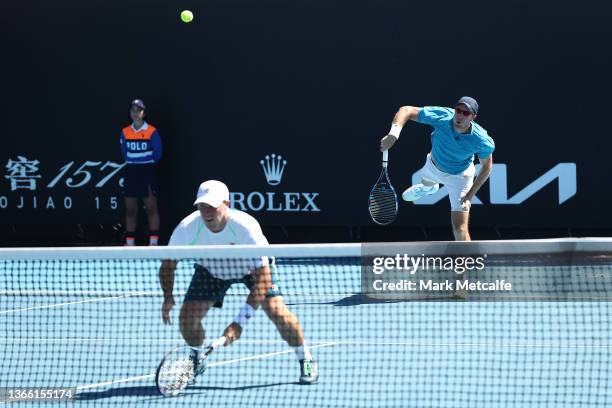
(142, 391)
(244, 387)
(151, 391)
(361, 299)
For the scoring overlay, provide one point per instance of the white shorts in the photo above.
(457, 185)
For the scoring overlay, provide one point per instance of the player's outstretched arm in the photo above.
(263, 281)
(403, 115)
(166, 281)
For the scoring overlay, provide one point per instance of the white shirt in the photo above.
(241, 229)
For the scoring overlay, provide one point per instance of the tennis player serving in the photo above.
(454, 142)
(214, 223)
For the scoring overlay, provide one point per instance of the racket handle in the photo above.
(385, 157)
(218, 343)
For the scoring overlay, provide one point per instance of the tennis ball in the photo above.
(186, 16)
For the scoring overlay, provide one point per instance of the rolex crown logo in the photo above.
(273, 167)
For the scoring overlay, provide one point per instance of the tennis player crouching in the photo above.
(214, 223)
(454, 142)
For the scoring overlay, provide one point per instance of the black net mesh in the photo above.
(94, 324)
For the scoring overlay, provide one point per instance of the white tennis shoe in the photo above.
(419, 191)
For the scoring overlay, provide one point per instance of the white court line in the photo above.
(111, 382)
(267, 355)
(144, 377)
(62, 304)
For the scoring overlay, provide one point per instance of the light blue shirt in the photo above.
(453, 152)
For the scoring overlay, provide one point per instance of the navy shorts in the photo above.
(204, 286)
(137, 178)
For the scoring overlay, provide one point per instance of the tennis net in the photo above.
(90, 319)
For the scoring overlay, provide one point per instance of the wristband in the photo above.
(395, 130)
(246, 312)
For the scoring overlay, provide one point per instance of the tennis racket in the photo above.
(178, 367)
(382, 203)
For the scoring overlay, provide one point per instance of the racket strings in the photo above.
(175, 374)
(383, 204)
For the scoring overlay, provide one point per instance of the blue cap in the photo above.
(470, 102)
(139, 103)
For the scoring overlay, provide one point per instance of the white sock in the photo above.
(130, 241)
(302, 352)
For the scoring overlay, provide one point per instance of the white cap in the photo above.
(212, 192)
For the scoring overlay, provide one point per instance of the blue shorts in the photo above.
(204, 286)
(137, 178)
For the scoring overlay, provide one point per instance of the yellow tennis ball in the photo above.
(186, 16)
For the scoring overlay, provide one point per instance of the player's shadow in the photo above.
(244, 387)
(151, 391)
(361, 299)
(142, 391)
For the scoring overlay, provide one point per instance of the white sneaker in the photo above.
(419, 191)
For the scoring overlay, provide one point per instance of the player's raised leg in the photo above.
(418, 191)
(291, 331)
